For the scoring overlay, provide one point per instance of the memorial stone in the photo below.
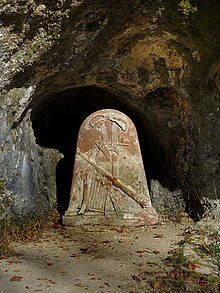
(109, 185)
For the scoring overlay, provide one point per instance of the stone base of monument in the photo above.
(145, 217)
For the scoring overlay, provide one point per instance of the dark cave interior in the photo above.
(56, 120)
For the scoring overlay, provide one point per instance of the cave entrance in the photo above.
(57, 117)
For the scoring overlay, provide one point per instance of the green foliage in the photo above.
(179, 280)
(22, 229)
(183, 273)
(186, 7)
(2, 186)
(67, 13)
(210, 247)
(178, 260)
(213, 250)
(5, 199)
(4, 241)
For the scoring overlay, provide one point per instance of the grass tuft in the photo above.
(22, 229)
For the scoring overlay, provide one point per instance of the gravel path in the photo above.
(90, 259)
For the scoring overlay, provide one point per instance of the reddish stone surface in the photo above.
(109, 184)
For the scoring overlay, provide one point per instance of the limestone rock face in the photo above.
(62, 60)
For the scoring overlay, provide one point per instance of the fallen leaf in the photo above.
(106, 241)
(16, 279)
(79, 285)
(84, 250)
(118, 230)
(183, 214)
(202, 283)
(55, 216)
(75, 256)
(172, 275)
(155, 284)
(136, 278)
(13, 261)
(191, 265)
(121, 231)
(51, 281)
(158, 236)
(175, 274)
(55, 226)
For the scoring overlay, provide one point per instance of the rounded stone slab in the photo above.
(109, 185)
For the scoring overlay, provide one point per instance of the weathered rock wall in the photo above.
(25, 166)
(62, 60)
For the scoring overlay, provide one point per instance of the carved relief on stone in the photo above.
(109, 184)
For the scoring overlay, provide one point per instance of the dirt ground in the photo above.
(92, 259)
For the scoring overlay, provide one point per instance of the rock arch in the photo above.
(162, 121)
